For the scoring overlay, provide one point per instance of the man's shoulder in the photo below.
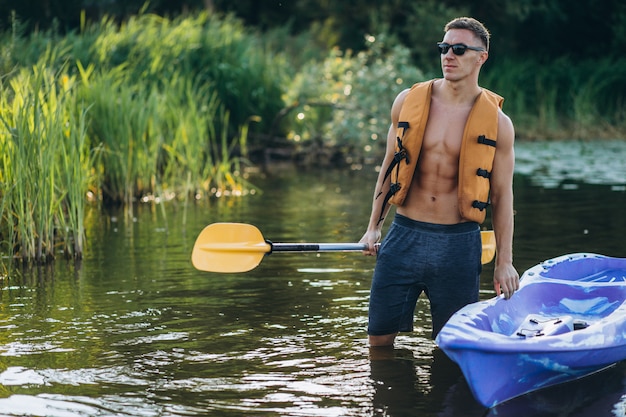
(419, 88)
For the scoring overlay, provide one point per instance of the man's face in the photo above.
(457, 67)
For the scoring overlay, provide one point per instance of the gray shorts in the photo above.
(443, 261)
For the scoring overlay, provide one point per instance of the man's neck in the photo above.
(457, 92)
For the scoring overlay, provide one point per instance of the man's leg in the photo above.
(385, 340)
(394, 289)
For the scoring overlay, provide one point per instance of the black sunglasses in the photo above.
(457, 48)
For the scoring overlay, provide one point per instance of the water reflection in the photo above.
(429, 383)
(433, 385)
(601, 394)
(136, 331)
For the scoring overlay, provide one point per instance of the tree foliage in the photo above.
(556, 61)
(539, 28)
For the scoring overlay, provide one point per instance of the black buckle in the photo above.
(480, 205)
(485, 141)
(483, 173)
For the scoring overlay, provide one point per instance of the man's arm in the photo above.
(373, 232)
(505, 277)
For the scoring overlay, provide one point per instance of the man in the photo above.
(442, 167)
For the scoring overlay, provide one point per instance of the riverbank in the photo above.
(99, 117)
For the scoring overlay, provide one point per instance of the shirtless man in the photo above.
(432, 245)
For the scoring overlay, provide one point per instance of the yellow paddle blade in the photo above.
(489, 246)
(229, 247)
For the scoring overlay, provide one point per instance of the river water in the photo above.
(135, 330)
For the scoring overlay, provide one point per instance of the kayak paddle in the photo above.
(240, 247)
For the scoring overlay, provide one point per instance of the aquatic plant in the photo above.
(39, 143)
(71, 133)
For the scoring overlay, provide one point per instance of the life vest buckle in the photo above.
(399, 156)
(394, 188)
(480, 205)
(483, 173)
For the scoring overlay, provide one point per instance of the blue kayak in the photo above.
(567, 320)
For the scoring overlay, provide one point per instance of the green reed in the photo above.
(76, 176)
(64, 136)
(188, 120)
(35, 120)
(122, 119)
(158, 141)
(206, 49)
(150, 127)
(31, 142)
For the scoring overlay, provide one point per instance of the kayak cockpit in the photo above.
(536, 325)
(540, 309)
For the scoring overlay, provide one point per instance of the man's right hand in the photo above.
(371, 238)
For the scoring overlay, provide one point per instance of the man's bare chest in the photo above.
(444, 129)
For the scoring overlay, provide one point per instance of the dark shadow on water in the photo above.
(394, 379)
(433, 385)
(598, 395)
(430, 385)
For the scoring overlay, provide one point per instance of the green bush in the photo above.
(345, 100)
(206, 49)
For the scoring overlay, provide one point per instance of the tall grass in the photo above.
(122, 120)
(150, 127)
(76, 174)
(184, 91)
(36, 114)
(200, 150)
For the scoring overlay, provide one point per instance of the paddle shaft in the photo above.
(317, 247)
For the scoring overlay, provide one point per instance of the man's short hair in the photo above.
(470, 24)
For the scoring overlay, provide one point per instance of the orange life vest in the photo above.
(477, 150)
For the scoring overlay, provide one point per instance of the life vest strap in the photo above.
(400, 155)
(393, 188)
(397, 158)
(486, 141)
